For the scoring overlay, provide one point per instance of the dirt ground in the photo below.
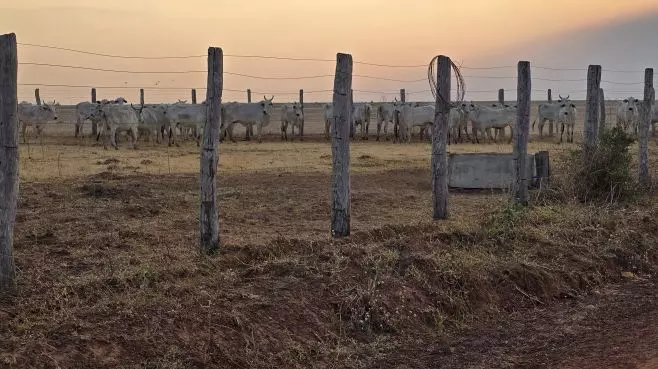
(109, 274)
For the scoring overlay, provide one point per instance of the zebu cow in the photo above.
(291, 114)
(550, 112)
(184, 117)
(385, 115)
(152, 121)
(485, 118)
(457, 121)
(361, 116)
(627, 114)
(116, 118)
(85, 110)
(411, 116)
(328, 119)
(37, 115)
(247, 114)
(567, 117)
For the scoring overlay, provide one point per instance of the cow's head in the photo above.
(138, 111)
(567, 109)
(120, 101)
(629, 104)
(267, 105)
(48, 111)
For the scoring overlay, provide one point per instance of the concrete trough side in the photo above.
(485, 170)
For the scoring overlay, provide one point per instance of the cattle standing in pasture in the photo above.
(361, 116)
(627, 114)
(37, 115)
(328, 119)
(185, 117)
(485, 118)
(152, 121)
(116, 118)
(457, 121)
(291, 114)
(410, 116)
(85, 110)
(567, 117)
(549, 112)
(385, 115)
(247, 114)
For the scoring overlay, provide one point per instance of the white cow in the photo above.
(567, 117)
(361, 117)
(549, 112)
(152, 121)
(291, 114)
(247, 114)
(185, 117)
(457, 122)
(385, 115)
(116, 118)
(414, 116)
(485, 118)
(37, 115)
(328, 119)
(85, 110)
(627, 114)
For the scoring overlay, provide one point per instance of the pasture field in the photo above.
(109, 274)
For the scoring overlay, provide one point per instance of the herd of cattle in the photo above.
(155, 122)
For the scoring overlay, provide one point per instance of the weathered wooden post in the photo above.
(592, 106)
(501, 96)
(248, 95)
(194, 96)
(403, 95)
(94, 125)
(521, 133)
(352, 127)
(340, 147)
(36, 96)
(645, 122)
(301, 104)
(209, 213)
(602, 111)
(440, 140)
(249, 131)
(8, 157)
(550, 124)
(550, 95)
(141, 96)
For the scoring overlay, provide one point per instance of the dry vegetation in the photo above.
(109, 273)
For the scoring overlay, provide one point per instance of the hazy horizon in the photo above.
(478, 33)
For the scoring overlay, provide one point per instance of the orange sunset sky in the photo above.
(474, 32)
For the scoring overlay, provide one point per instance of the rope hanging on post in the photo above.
(461, 85)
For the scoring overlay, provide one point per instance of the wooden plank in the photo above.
(501, 96)
(194, 96)
(602, 111)
(592, 106)
(8, 157)
(209, 213)
(643, 129)
(521, 134)
(340, 147)
(440, 140)
(301, 104)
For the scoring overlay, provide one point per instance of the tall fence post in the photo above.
(521, 133)
(352, 127)
(194, 96)
(8, 157)
(592, 106)
(209, 213)
(440, 140)
(501, 96)
(37, 97)
(301, 104)
(248, 95)
(340, 147)
(403, 95)
(550, 95)
(645, 122)
(141, 96)
(249, 130)
(602, 111)
(94, 125)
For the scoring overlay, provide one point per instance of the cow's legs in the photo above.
(561, 132)
(259, 131)
(284, 129)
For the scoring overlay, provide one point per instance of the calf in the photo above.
(627, 114)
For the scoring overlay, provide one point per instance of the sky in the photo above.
(472, 32)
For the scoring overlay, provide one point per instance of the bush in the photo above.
(603, 173)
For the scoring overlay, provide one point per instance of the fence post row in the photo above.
(602, 111)
(301, 104)
(209, 213)
(501, 96)
(440, 140)
(521, 133)
(194, 96)
(645, 122)
(592, 106)
(340, 147)
(8, 157)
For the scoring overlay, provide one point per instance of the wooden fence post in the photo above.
(340, 147)
(301, 104)
(440, 140)
(501, 96)
(352, 127)
(521, 133)
(403, 95)
(141, 96)
(36, 96)
(592, 106)
(8, 157)
(602, 111)
(550, 124)
(248, 131)
(550, 95)
(248, 95)
(94, 125)
(209, 213)
(194, 96)
(645, 122)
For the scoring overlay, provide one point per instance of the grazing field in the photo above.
(109, 274)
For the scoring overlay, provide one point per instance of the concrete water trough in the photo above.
(493, 170)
